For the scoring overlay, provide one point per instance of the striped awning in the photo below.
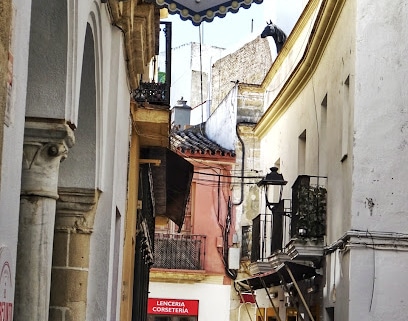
(203, 10)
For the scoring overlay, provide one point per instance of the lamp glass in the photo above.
(272, 193)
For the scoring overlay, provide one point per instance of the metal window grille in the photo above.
(178, 251)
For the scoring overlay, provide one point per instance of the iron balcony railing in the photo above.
(158, 92)
(153, 93)
(178, 251)
(309, 202)
(261, 237)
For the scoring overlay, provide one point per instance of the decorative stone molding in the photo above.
(140, 24)
(165, 275)
(45, 146)
(76, 209)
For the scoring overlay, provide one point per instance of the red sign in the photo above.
(6, 285)
(172, 307)
(247, 298)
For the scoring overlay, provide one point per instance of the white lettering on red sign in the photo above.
(170, 307)
(173, 306)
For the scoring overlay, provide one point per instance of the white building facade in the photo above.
(65, 156)
(335, 111)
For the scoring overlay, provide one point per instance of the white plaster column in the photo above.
(46, 144)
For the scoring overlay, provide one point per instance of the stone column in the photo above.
(46, 144)
(76, 209)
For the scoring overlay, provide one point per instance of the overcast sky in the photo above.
(221, 32)
(236, 29)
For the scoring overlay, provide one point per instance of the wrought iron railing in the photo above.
(309, 200)
(261, 237)
(152, 92)
(178, 251)
(269, 231)
(246, 246)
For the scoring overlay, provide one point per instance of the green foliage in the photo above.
(311, 213)
(162, 77)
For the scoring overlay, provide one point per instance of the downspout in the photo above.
(242, 159)
(242, 164)
(232, 274)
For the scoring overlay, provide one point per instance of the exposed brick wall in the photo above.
(249, 65)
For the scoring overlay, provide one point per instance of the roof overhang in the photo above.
(203, 10)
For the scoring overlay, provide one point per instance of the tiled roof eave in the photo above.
(213, 158)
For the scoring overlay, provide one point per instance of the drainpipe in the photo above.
(233, 274)
(242, 159)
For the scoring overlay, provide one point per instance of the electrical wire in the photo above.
(230, 176)
(373, 285)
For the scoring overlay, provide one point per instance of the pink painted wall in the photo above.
(209, 211)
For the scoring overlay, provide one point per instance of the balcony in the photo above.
(295, 229)
(309, 200)
(157, 93)
(154, 93)
(261, 237)
(308, 222)
(179, 252)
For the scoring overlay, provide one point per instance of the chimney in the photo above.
(180, 115)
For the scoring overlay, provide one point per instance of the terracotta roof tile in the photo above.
(194, 141)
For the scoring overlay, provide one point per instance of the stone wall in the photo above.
(73, 227)
(249, 65)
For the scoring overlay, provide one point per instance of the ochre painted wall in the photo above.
(130, 230)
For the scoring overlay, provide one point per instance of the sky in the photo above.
(225, 32)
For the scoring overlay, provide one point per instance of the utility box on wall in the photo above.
(233, 258)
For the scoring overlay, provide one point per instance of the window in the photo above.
(323, 138)
(302, 153)
(246, 242)
(345, 120)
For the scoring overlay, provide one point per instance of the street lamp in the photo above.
(272, 179)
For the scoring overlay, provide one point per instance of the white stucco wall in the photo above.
(323, 136)
(380, 151)
(109, 149)
(363, 70)
(112, 159)
(214, 299)
(294, 55)
(377, 285)
(220, 127)
(381, 117)
(13, 134)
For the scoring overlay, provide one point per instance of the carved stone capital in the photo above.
(76, 208)
(45, 146)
